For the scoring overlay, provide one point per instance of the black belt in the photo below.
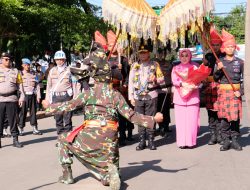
(9, 94)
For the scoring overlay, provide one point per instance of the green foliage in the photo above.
(29, 27)
(234, 22)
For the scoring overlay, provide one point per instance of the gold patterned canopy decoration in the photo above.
(177, 15)
(134, 16)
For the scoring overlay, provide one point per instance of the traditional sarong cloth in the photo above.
(211, 93)
(228, 105)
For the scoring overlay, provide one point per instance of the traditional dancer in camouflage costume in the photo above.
(95, 143)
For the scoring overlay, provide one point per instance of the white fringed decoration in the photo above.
(178, 14)
(135, 17)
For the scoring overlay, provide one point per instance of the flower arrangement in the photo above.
(142, 89)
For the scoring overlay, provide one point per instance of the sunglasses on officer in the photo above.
(6, 59)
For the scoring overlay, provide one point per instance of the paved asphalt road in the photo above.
(35, 167)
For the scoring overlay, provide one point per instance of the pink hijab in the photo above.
(188, 52)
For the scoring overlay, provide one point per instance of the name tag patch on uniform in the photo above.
(236, 63)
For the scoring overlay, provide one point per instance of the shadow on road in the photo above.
(124, 186)
(203, 136)
(168, 139)
(38, 187)
(83, 176)
(138, 168)
(244, 139)
(44, 139)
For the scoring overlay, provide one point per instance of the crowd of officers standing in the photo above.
(22, 92)
(146, 85)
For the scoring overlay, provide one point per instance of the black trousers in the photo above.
(9, 110)
(39, 105)
(63, 121)
(124, 125)
(5, 123)
(213, 120)
(146, 107)
(230, 129)
(165, 109)
(28, 104)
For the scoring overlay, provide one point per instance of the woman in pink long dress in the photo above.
(187, 108)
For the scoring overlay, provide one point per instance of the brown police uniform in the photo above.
(32, 93)
(10, 85)
(60, 89)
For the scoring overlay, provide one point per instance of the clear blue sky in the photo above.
(221, 6)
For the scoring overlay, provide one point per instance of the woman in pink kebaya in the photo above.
(186, 105)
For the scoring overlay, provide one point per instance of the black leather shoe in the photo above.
(219, 139)
(36, 131)
(213, 138)
(16, 143)
(182, 147)
(142, 143)
(226, 145)
(235, 144)
(151, 144)
(141, 146)
(21, 133)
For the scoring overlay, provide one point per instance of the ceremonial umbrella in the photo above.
(177, 15)
(133, 16)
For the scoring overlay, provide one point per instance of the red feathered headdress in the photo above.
(215, 37)
(101, 39)
(111, 37)
(228, 40)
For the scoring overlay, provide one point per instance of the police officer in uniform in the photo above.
(144, 78)
(60, 89)
(32, 96)
(10, 84)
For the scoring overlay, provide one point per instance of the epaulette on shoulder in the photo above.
(52, 70)
(15, 70)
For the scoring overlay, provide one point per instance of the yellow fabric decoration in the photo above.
(19, 79)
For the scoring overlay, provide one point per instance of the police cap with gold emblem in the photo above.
(143, 48)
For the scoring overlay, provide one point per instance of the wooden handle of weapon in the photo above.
(114, 45)
(216, 57)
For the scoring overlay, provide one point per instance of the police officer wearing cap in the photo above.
(10, 84)
(144, 78)
(32, 97)
(60, 89)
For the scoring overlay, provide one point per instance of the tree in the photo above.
(28, 27)
(234, 22)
